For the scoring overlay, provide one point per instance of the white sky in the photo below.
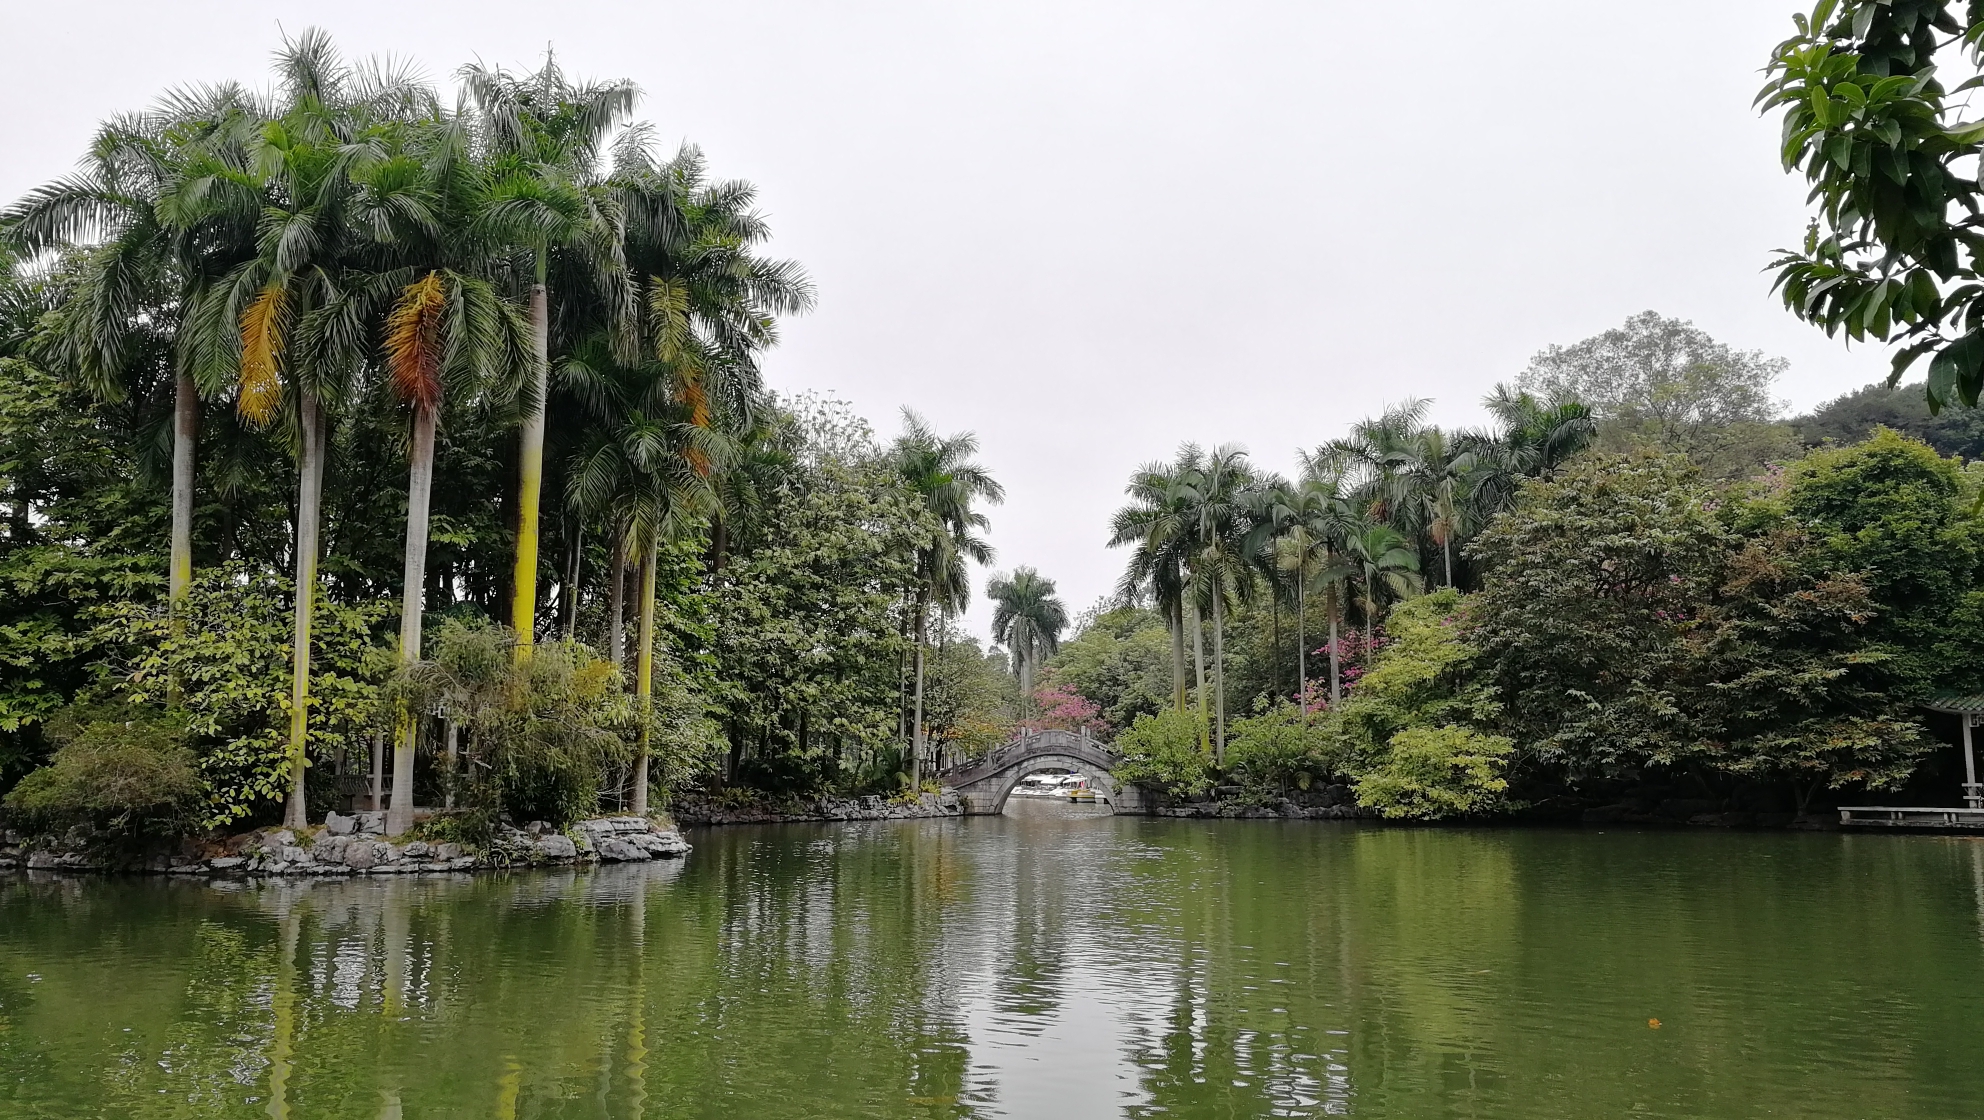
(1090, 230)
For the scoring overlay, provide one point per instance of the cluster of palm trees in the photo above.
(1365, 517)
(948, 483)
(348, 235)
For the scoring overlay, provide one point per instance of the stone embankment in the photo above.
(1317, 803)
(694, 810)
(356, 845)
(1273, 810)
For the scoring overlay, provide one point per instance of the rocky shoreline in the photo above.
(356, 845)
(1279, 810)
(704, 811)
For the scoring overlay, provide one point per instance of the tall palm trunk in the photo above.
(185, 444)
(309, 501)
(644, 676)
(1274, 632)
(1174, 617)
(1219, 674)
(1025, 659)
(572, 573)
(1301, 646)
(530, 474)
(1336, 671)
(1199, 671)
(916, 728)
(419, 489)
(616, 603)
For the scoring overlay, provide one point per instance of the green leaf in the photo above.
(1957, 372)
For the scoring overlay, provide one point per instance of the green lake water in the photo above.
(1048, 963)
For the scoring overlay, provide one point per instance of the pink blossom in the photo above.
(1063, 709)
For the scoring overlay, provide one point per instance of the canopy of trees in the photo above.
(1638, 587)
(337, 416)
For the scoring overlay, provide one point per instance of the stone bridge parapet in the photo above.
(984, 784)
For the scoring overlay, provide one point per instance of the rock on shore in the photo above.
(354, 844)
(692, 810)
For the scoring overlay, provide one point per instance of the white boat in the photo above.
(1038, 785)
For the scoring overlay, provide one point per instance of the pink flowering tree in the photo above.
(1061, 708)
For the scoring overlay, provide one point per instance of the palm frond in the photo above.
(414, 343)
(262, 325)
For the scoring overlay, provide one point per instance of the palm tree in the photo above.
(1215, 503)
(1028, 620)
(1385, 563)
(161, 211)
(304, 332)
(24, 299)
(662, 430)
(1298, 529)
(1429, 479)
(447, 325)
(1154, 522)
(940, 472)
(543, 137)
(1531, 438)
(1331, 519)
(645, 468)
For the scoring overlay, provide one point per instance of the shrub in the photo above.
(1165, 750)
(1283, 746)
(1425, 676)
(227, 654)
(544, 731)
(125, 771)
(1434, 772)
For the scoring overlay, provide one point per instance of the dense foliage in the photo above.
(1651, 591)
(283, 373)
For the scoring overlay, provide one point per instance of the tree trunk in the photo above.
(1219, 674)
(1301, 649)
(530, 474)
(1274, 633)
(1025, 659)
(419, 491)
(185, 445)
(309, 501)
(378, 783)
(572, 573)
(1174, 616)
(916, 726)
(453, 733)
(1199, 671)
(1447, 549)
(644, 677)
(1336, 672)
(616, 603)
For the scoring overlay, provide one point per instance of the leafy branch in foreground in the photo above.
(1893, 252)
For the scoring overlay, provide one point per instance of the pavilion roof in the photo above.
(1956, 703)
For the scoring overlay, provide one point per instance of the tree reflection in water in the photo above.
(1054, 962)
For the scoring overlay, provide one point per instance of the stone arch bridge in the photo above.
(984, 784)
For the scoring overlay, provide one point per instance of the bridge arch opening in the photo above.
(985, 784)
(1056, 784)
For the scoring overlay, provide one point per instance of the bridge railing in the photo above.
(1026, 743)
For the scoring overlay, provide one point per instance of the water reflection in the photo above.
(1055, 962)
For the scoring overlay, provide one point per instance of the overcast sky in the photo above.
(1088, 231)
